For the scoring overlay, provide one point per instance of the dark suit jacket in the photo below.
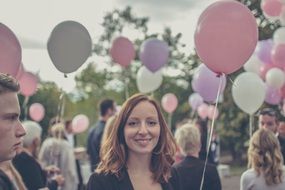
(282, 145)
(111, 182)
(190, 172)
(5, 183)
(94, 143)
(32, 173)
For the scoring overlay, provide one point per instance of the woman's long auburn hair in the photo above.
(114, 151)
(264, 156)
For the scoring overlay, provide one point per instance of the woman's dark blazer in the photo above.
(112, 182)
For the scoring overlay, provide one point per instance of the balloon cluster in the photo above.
(268, 62)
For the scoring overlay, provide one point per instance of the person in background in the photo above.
(190, 170)
(57, 151)
(33, 175)
(265, 163)
(108, 127)
(72, 140)
(281, 136)
(268, 119)
(107, 109)
(138, 151)
(11, 129)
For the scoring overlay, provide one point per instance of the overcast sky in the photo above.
(33, 20)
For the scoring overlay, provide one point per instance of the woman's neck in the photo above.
(139, 163)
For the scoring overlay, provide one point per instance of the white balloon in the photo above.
(69, 46)
(282, 17)
(275, 78)
(148, 81)
(279, 36)
(248, 92)
(253, 64)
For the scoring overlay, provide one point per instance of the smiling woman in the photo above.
(138, 151)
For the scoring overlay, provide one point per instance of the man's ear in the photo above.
(36, 142)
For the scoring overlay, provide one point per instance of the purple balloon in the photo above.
(195, 100)
(263, 50)
(154, 54)
(273, 95)
(206, 83)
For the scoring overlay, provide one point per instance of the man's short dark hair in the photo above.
(268, 111)
(105, 105)
(8, 84)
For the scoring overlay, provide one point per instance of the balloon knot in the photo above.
(65, 75)
(219, 74)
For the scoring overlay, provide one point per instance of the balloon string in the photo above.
(192, 114)
(127, 88)
(211, 133)
(60, 107)
(169, 120)
(250, 125)
(25, 103)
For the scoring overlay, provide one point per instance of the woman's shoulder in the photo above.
(174, 180)
(101, 181)
(248, 175)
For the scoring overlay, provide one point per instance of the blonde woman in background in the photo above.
(265, 162)
(57, 151)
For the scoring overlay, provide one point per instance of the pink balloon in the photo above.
(154, 54)
(211, 111)
(273, 96)
(28, 84)
(272, 8)
(122, 51)
(203, 111)
(169, 102)
(219, 38)
(278, 54)
(10, 51)
(80, 123)
(37, 111)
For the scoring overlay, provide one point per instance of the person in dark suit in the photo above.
(281, 136)
(190, 170)
(107, 110)
(138, 152)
